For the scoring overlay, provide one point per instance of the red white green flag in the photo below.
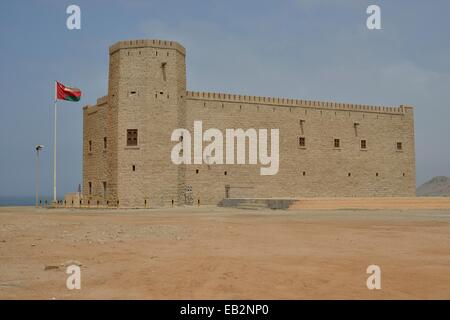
(67, 93)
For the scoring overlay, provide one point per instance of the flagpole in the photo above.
(54, 151)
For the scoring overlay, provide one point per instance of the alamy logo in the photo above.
(213, 152)
(73, 21)
(74, 279)
(374, 280)
(374, 20)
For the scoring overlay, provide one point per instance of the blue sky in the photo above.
(306, 49)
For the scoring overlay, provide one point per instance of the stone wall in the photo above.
(318, 169)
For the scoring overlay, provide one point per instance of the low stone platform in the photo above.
(372, 203)
(257, 203)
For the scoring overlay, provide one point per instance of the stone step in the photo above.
(257, 203)
(252, 206)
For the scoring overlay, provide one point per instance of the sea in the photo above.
(21, 201)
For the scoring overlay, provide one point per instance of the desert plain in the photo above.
(210, 252)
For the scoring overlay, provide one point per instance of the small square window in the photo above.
(225, 173)
(196, 171)
(337, 143)
(301, 142)
(132, 136)
(399, 146)
(363, 144)
(134, 167)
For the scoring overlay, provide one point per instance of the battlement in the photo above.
(154, 43)
(100, 102)
(226, 97)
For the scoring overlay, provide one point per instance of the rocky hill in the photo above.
(438, 186)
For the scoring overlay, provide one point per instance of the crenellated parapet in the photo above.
(90, 109)
(102, 100)
(285, 102)
(145, 43)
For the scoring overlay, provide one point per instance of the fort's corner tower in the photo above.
(145, 102)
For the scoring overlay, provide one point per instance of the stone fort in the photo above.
(326, 149)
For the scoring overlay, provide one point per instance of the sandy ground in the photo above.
(217, 253)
